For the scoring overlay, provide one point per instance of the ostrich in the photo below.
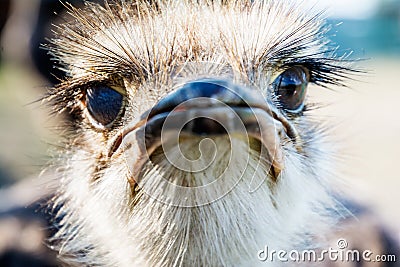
(191, 142)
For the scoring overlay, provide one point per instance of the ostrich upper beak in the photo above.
(207, 107)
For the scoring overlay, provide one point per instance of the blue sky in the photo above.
(349, 9)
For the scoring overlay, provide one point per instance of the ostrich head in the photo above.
(191, 142)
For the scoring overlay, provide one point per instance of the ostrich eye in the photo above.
(104, 104)
(290, 87)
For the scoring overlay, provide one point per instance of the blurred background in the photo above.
(364, 117)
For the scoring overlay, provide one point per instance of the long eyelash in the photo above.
(325, 66)
(65, 96)
(325, 71)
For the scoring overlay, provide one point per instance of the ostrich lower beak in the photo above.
(206, 108)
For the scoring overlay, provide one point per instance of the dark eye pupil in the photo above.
(103, 104)
(290, 88)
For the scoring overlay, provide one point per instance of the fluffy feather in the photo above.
(148, 50)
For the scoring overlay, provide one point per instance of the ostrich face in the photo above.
(192, 142)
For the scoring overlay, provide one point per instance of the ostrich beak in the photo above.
(206, 108)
